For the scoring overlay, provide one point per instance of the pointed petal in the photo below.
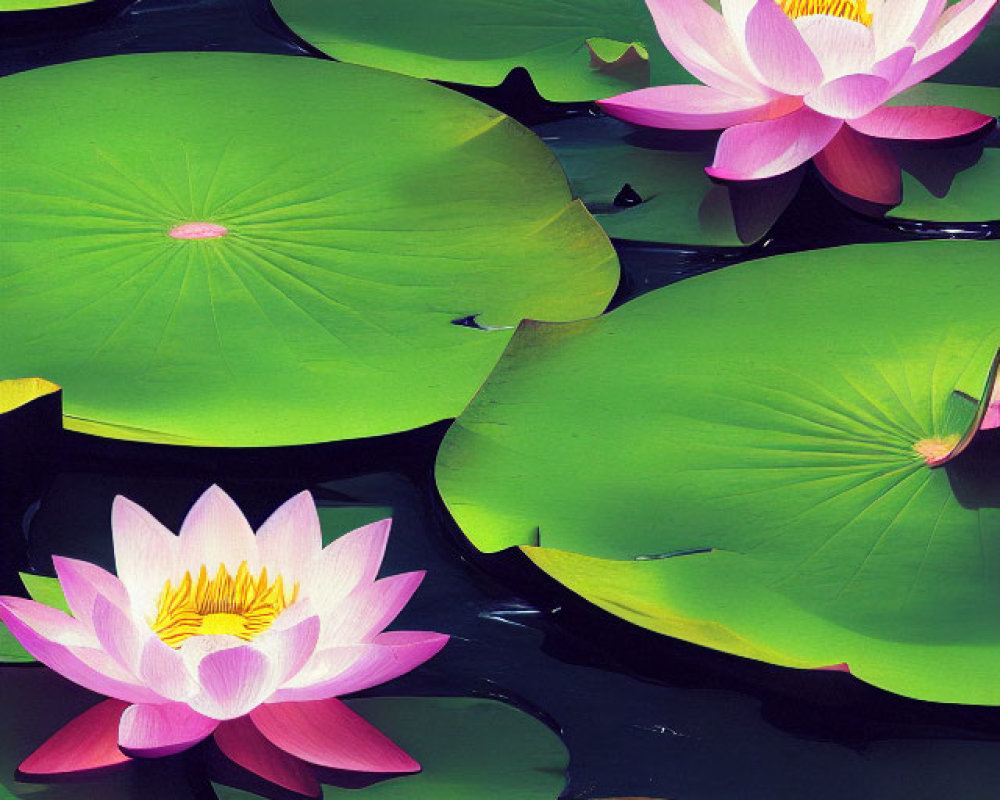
(215, 532)
(233, 681)
(772, 147)
(841, 46)
(49, 636)
(242, 743)
(778, 51)
(346, 563)
(861, 167)
(368, 610)
(920, 122)
(992, 418)
(89, 741)
(145, 553)
(158, 730)
(698, 37)
(902, 22)
(893, 67)
(958, 28)
(82, 581)
(163, 670)
(118, 635)
(291, 537)
(328, 733)
(289, 649)
(735, 13)
(849, 97)
(342, 670)
(684, 108)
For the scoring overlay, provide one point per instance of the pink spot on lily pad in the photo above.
(937, 450)
(198, 230)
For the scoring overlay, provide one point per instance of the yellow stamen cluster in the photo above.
(853, 10)
(241, 605)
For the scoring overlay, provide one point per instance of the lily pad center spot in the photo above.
(936, 450)
(198, 230)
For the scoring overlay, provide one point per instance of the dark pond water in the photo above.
(641, 715)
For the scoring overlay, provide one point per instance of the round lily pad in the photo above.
(767, 460)
(250, 250)
(467, 748)
(573, 51)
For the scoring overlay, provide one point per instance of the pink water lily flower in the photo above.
(791, 80)
(218, 631)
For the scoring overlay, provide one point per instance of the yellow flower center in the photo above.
(242, 605)
(853, 10)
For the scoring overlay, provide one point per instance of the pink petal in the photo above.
(158, 730)
(684, 108)
(992, 418)
(291, 537)
(861, 167)
(841, 667)
(697, 36)
(215, 532)
(82, 582)
(959, 26)
(779, 52)
(344, 564)
(42, 630)
(289, 649)
(242, 743)
(118, 635)
(920, 122)
(772, 147)
(840, 45)
(901, 22)
(164, 671)
(328, 733)
(343, 670)
(233, 681)
(849, 97)
(145, 553)
(367, 610)
(892, 68)
(90, 741)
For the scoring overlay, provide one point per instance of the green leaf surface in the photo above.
(468, 749)
(480, 41)
(775, 414)
(45, 590)
(365, 212)
(680, 204)
(37, 5)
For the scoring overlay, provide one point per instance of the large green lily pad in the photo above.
(468, 748)
(480, 41)
(364, 212)
(742, 460)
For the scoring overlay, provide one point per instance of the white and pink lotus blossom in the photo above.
(218, 631)
(791, 80)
